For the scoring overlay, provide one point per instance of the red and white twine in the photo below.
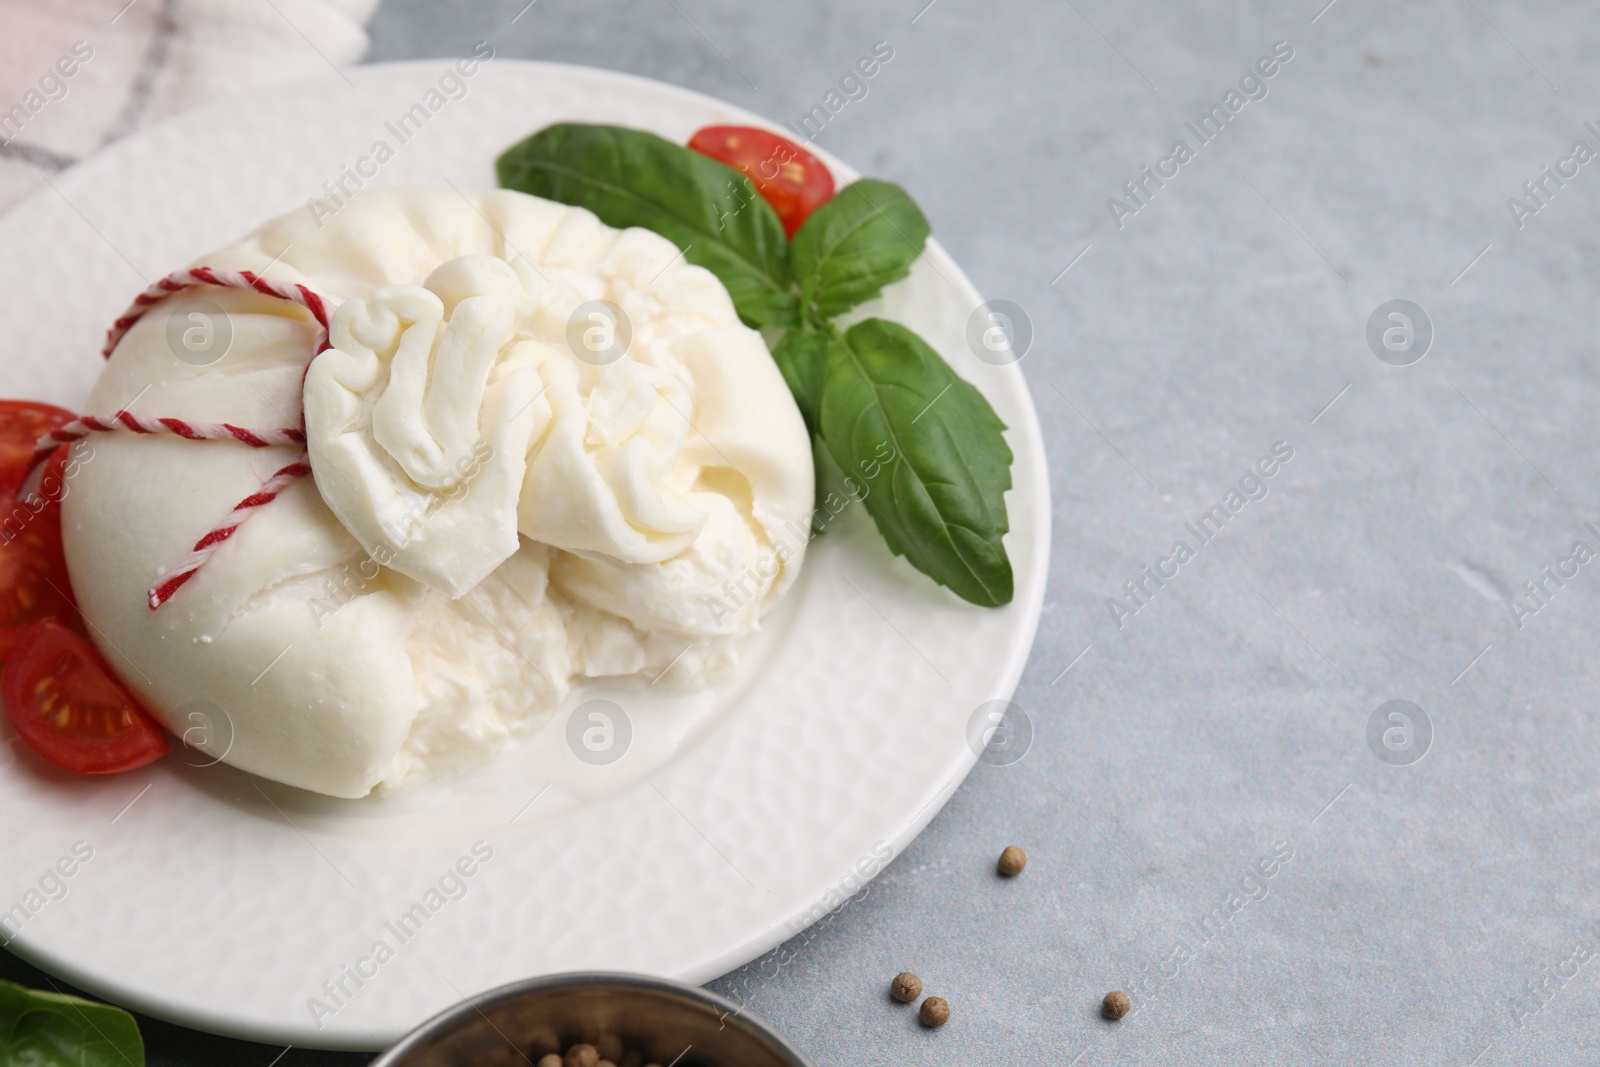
(82, 427)
(195, 277)
(169, 582)
(162, 591)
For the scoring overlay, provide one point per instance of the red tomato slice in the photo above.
(788, 177)
(33, 567)
(23, 422)
(70, 708)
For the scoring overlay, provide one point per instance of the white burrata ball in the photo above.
(507, 492)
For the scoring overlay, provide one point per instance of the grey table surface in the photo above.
(1433, 910)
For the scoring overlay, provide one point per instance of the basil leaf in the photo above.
(890, 400)
(855, 244)
(632, 178)
(52, 1030)
(802, 356)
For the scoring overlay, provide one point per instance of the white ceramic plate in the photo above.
(226, 903)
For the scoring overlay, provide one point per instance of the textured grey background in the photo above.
(1229, 714)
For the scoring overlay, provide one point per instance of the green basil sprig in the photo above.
(851, 247)
(53, 1030)
(944, 506)
(802, 356)
(630, 178)
(874, 387)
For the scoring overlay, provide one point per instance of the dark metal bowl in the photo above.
(667, 1022)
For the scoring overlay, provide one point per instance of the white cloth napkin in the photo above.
(76, 75)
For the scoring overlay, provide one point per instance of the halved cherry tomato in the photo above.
(70, 708)
(33, 567)
(788, 177)
(22, 422)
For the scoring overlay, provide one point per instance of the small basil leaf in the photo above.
(855, 244)
(632, 178)
(889, 399)
(52, 1030)
(802, 356)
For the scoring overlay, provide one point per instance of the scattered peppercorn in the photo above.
(1012, 860)
(582, 1056)
(1116, 1005)
(906, 987)
(935, 1012)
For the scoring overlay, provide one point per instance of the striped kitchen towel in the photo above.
(76, 75)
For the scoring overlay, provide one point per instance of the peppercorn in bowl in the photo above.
(591, 1019)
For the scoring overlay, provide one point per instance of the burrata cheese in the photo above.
(542, 450)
